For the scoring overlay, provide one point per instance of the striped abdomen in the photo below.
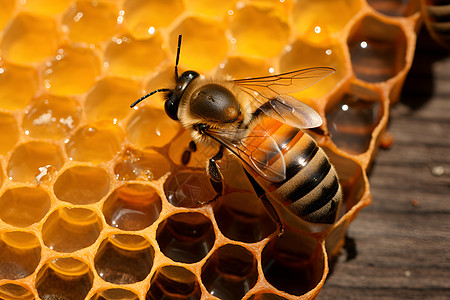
(311, 189)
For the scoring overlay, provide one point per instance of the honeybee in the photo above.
(257, 122)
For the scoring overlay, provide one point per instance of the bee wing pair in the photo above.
(281, 107)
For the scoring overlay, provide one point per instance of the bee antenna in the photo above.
(178, 55)
(148, 95)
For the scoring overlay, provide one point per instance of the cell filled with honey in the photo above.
(15, 292)
(64, 278)
(20, 253)
(45, 7)
(132, 207)
(173, 283)
(10, 132)
(115, 294)
(186, 237)
(18, 84)
(395, 8)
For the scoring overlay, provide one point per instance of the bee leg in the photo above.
(186, 157)
(268, 206)
(215, 175)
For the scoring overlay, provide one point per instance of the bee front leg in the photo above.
(215, 174)
(186, 157)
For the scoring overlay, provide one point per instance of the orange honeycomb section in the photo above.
(94, 200)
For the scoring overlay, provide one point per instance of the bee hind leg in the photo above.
(186, 156)
(215, 175)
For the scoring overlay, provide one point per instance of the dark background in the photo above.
(399, 246)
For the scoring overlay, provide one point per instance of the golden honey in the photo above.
(95, 202)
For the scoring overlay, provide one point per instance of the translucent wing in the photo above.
(289, 110)
(271, 86)
(258, 150)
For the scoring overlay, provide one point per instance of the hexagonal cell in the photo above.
(51, 117)
(15, 292)
(108, 98)
(330, 55)
(141, 165)
(71, 229)
(37, 155)
(377, 49)
(292, 268)
(20, 253)
(95, 143)
(6, 12)
(124, 259)
(91, 22)
(188, 189)
(243, 67)
(64, 278)
(242, 217)
(18, 85)
(186, 237)
(23, 206)
(72, 71)
(395, 8)
(115, 294)
(29, 39)
(132, 207)
(196, 51)
(45, 7)
(81, 185)
(230, 272)
(10, 132)
(174, 282)
(249, 39)
(312, 18)
(266, 296)
(151, 127)
(212, 8)
(145, 17)
(127, 57)
(352, 120)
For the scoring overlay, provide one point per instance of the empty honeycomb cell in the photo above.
(45, 7)
(186, 237)
(377, 49)
(20, 253)
(81, 185)
(290, 268)
(38, 156)
(173, 282)
(72, 71)
(18, 85)
(51, 117)
(266, 296)
(6, 12)
(124, 259)
(143, 18)
(311, 18)
(128, 57)
(110, 98)
(23, 206)
(141, 165)
(395, 8)
(91, 22)
(64, 278)
(151, 127)
(29, 39)
(10, 132)
(188, 189)
(13, 291)
(71, 229)
(330, 55)
(241, 217)
(243, 67)
(95, 143)
(352, 121)
(215, 8)
(249, 39)
(115, 294)
(230, 272)
(202, 49)
(132, 207)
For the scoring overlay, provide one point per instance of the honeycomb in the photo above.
(94, 200)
